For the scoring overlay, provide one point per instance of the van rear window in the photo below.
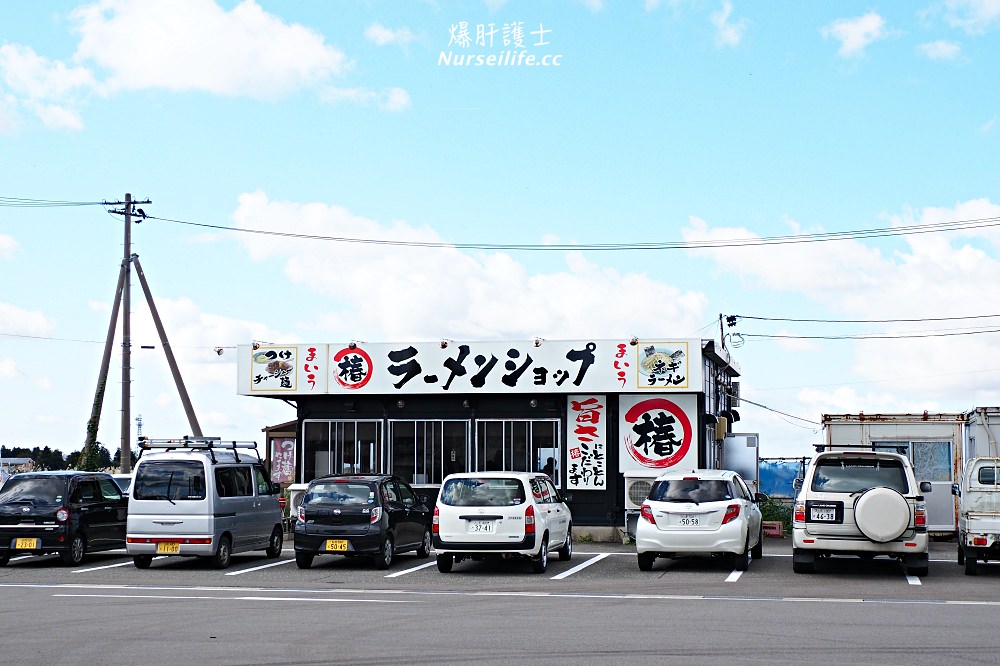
(340, 492)
(482, 491)
(34, 490)
(691, 490)
(173, 480)
(853, 475)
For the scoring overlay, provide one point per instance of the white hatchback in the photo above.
(500, 514)
(700, 512)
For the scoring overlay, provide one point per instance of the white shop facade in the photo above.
(422, 410)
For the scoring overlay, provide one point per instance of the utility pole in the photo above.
(126, 460)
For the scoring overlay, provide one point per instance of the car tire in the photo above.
(4, 559)
(303, 560)
(646, 561)
(223, 554)
(961, 555)
(73, 555)
(566, 552)
(741, 561)
(425, 545)
(757, 552)
(971, 565)
(142, 561)
(916, 565)
(275, 543)
(445, 563)
(383, 558)
(803, 561)
(540, 562)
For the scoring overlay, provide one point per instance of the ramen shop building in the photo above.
(600, 409)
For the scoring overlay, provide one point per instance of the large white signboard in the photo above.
(657, 433)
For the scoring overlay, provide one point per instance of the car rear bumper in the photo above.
(148, 544)
(368, 544)
(729, 538)
(526, 546)
(915, 543)
(51, 539)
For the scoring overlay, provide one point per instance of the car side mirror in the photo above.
(275, 488)
(759, 498)
(925, 486)
(955, 490)
(797, 484)
(423, 499)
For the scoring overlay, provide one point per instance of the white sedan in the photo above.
(700, 512)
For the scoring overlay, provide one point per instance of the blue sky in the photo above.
(675, 121)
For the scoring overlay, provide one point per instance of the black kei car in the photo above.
(66, 512)
(361, 515)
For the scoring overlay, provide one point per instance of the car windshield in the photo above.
(690, 490)
(171, 480)
(36, 490)
(853, 475)
(340, 492)
(482, 491)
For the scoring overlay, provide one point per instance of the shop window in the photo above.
(341, 447)
(424, 452)
(517, 446)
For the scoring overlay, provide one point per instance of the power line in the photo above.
(956, 225)
(865, 321)
(872, 336)
(17, 202)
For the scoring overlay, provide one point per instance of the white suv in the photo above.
(501, 514)
(863, 503)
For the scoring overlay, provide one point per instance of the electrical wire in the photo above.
(865, 321)
(870, 336)
(17, 202)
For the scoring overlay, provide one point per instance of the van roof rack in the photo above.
(209, 444)
(875, 448)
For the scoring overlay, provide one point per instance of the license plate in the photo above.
(26, 544)
(827, 515)
(689, 521)
(336, 545)
(168, 548)
(481, 526)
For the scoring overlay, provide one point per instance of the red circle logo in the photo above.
(680, 418)
(352, 368)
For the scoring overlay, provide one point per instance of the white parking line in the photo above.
(263, 566)
(580, 567)
(913, 580)
(735, 576)
(411, 570)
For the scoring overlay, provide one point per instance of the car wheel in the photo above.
(274, 545)
(971, 565)
(541, 562)
(803, 561)
(223, 554)
(142, 561)
(646, 561)
(77, 549)
(4, 559)
(741, 561)
(303, 560)
(566, 552)
(383, 558)
(445, 562)
(757, 552)
(961, 555)
(425, 545)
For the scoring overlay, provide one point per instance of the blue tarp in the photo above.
(776, 476)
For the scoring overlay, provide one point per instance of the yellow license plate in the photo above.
(26, 544)
(336, 544)
(168, 548)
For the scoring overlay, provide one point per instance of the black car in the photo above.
(68, 512)
(376, 516)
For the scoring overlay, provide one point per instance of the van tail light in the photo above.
(62, 515)
(376, 514)
(920, 516)
(732, 513)
(800, 512)
(436, 521)
(646, 512)
(529, 520)
(302, 514)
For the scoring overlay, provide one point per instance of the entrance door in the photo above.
(934, 462)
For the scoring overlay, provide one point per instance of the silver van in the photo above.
(201, 497)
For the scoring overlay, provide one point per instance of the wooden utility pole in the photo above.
(126, 447)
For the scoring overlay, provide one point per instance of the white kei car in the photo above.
(700, 512)
(479, 515)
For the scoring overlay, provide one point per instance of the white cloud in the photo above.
(9, 119)
(196, 45)
(444, 292)
(973, 16)
(19, 321)
(940, 50)
(8, 246)
(380, 35)
(389, 99)
(57, 117)
(35, 77)
(857, 33)
(8, 368)
(726, 33)
(987, 127)
(593, 5)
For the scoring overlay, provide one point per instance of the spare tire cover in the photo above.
(882, 514)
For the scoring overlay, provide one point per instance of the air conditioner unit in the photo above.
(637, 490)
(296, 492)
